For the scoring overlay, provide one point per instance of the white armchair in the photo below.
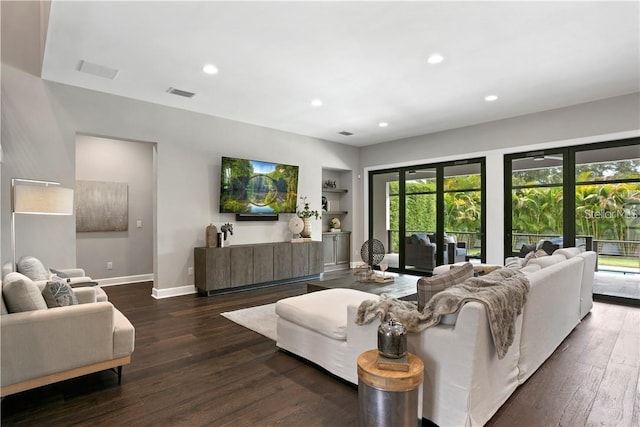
(42, 345)
(35, 270)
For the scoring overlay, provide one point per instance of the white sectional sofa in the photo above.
(465, 382)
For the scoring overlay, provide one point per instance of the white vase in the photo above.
(306, 230)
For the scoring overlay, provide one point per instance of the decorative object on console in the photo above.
(296, 224)
(335, 224)
(211, 236)
(363, 273)
(306, 213)
(37, 197)
(330, 184)
(226, 228)
(372, 252)
(392, 339)
(384, 279)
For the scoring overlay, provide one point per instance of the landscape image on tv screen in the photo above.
(255, 187)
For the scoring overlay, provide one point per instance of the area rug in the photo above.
(261, 319)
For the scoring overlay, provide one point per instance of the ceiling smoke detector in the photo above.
(179, 92)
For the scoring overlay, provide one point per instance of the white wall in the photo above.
(189, 149)
(34, 137)
(131, 251)
(607, 119)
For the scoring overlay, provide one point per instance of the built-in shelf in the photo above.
(337, 202)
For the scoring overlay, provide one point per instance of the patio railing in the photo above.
(615, 255)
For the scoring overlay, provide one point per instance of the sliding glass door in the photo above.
(420, 219)
(585, 196)
(607, 216)
(428, 215)
(536, 200)
(464, 212)
(384, 224)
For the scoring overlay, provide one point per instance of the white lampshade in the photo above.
(46, 200)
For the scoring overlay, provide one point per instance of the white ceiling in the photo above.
(365, 60)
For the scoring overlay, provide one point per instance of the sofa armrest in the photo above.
(361, 337)
(43, 342)
(80, 279)
(74, 272)
(85, 295)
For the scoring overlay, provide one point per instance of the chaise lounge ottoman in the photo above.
(315, 326)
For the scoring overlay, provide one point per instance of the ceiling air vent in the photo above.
(98, 70)
(345, 133)
(179, 92)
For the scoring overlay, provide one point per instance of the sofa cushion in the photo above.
(425, 241)
(530, 268)
(58, 293)
(324, 311)
(419, 238)
(568, 252)
(60, 274)
(422, 236)
(533, 255)
(21, 294)
(33, 268)
(513, 262)
(546, 261)
(527, 248)
(549, 247)
(429, 286)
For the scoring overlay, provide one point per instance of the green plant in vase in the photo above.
(306, 213)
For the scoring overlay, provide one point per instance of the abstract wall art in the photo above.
(102, 206)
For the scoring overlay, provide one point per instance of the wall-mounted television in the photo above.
(255, 187)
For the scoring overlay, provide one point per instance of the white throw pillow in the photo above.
(33, 268)
(513, 262)
(21, 294)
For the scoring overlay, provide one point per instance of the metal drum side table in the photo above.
(388, 398)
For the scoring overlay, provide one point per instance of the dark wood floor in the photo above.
(193, 367)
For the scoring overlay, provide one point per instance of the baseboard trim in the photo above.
(124, 280)
(173, 292)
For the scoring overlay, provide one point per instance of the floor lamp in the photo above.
(35, 197)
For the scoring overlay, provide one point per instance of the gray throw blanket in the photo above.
(503, 293)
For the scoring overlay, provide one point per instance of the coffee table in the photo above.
(403, 285)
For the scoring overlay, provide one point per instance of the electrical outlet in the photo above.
(109, 265)
(190, 271)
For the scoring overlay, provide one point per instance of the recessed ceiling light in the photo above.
(210, 69)
(316, 103)
(490, 98)
(435, 58)
(383, 124)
